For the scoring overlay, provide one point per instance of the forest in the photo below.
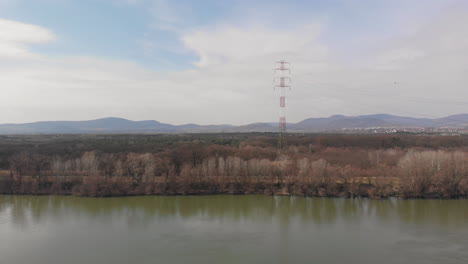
(322, 165)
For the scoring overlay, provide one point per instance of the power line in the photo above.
(415, 98)
(399, 97)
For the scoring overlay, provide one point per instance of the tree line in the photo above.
(312, 165)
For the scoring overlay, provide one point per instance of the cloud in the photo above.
(230, 44)
(16, 37)
(231, 81)
(166, 15)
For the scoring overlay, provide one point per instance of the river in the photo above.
(231, 229)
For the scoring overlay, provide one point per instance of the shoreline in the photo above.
(247, 194)
(99, 186)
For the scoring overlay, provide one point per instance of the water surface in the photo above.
(231, 229)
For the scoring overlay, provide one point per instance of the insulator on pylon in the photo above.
(282, 101)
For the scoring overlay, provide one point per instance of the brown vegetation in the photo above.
(314, 165)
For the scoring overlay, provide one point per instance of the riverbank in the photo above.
(375, 166)
(98, 186)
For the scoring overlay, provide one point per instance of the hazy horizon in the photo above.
(184, 62)
(229, 124)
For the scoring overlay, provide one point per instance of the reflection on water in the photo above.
(31, 210)
(231, 229)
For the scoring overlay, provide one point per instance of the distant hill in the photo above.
(453, 120)
(366, 121)
(332, 123)
(104, 125)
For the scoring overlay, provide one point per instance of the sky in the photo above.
(212, 61)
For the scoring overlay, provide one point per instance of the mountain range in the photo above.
(327, 124)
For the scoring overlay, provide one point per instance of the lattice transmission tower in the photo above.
(284, 79)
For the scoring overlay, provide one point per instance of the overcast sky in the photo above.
(211, 61)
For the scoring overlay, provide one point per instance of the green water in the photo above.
(231, 229)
